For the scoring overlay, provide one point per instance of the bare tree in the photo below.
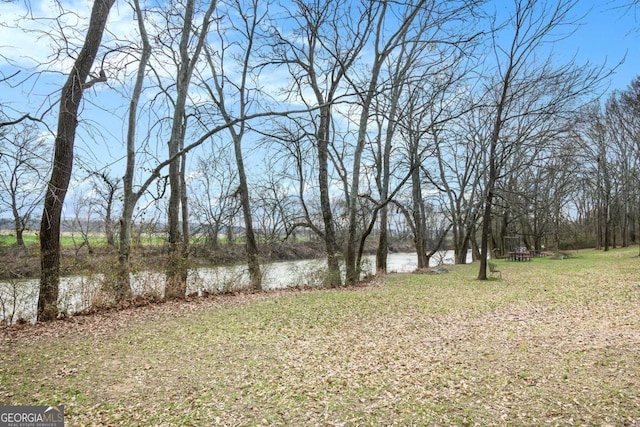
(24, 161)
(629, 121)
(459, 176)
(105, 188)
(607, 136)
(419, 52)
(234, 98)
(181, 29)
(406, 70)
(276, 207)
(292, 145)
(553, 187)
(131, 196)
(191, 42)
(428, 224)
(329, 37)
(81, 222)
(526, 94)
(70, 99)
(384, 45)
(201, 119)
(216, 183)
(622, 111)
(432, 113)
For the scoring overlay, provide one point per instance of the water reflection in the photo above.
(18, 299)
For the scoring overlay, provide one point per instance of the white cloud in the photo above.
(33, 37)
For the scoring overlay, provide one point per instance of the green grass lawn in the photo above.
(553, 343)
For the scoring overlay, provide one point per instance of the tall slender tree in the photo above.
(228, 95)
(384, 46)
(192, 40)
(330, 37)
(529, 95)
(70, 100)
(130, 196)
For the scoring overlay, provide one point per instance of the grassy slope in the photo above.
(553, 342)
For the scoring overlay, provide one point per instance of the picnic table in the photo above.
(519, 256)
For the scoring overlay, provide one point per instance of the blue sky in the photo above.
(608, 33)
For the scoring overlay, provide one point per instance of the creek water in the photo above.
(18, 299)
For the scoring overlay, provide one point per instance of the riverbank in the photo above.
(24, 263)
(554, 342)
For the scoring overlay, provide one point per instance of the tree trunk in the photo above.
(607, 209)
(184, 213)
(108, 223)
(253, 262)
(109, 234)
(229, 232)
(493, 174)
(418, 218)
(488, 202)
(461, 250)
(19, 224)
(333, 278)
(70, 98)
(423, 259)
(456, 231)
(175, 287)
(184, 203)
(486, 230)
(122, 287)
(381, 53)
(19, 237)
(383, 241)
(213, 236)
(625, 225)
(475, 248)
(352, 270)
(176, 272)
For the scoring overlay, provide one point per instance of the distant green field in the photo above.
(68, 239)
(10, 239)
(65, 240)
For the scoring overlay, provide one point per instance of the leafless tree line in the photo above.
(337, 117)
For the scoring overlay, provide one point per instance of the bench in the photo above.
(493, 269)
